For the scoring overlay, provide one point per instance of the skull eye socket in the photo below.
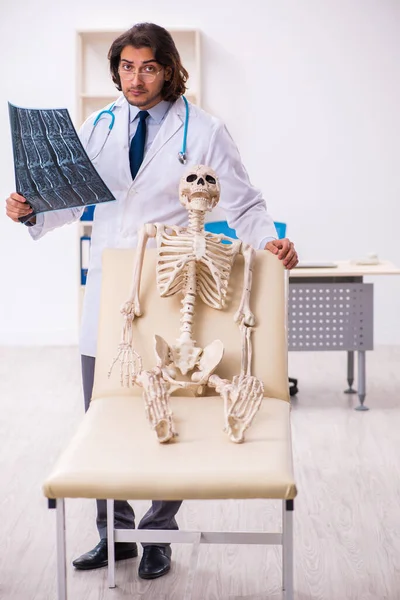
(191, 178)
(210, 179)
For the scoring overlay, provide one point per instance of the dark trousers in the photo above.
(161, 514)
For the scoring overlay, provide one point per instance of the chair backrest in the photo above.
(162, 316)
(223, 227)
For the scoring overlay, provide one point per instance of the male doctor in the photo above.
(139, 163)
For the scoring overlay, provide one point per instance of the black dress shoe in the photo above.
(98, 557)
(156, 562)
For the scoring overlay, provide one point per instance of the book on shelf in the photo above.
(84, 257)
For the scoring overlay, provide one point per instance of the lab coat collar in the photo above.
(157, 113)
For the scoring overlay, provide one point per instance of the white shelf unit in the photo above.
(95, 88)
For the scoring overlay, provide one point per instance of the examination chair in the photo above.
(114, 454)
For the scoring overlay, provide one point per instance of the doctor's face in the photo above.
(142, 77)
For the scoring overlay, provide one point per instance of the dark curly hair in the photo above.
(149, 35)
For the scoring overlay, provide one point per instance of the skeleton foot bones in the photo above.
(242, 398)
(156, 396)
(196, 264)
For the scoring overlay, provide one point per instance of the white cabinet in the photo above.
(95, 89)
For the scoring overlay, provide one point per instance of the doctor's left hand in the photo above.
(285, 250)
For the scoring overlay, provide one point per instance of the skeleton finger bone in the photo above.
(130, 364)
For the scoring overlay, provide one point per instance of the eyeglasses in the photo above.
(147, 73)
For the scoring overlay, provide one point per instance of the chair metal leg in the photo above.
(61, 550)
(361, 380)
(350, 373)
(287, 548)
(110, 543)
(192, 569)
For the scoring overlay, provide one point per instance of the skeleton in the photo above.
(194, 263)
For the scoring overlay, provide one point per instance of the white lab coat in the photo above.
(153, 195)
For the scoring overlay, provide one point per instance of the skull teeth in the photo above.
(199, 193)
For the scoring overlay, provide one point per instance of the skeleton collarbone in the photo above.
(182, 254)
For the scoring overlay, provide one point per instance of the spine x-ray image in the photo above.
(52, 169)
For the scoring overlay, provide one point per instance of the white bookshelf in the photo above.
(95, 88)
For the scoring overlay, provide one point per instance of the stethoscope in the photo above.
(182, 156)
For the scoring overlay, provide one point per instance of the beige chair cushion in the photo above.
(115, 454)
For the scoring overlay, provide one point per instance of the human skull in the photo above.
(199, 189)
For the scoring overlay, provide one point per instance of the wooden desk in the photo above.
(331, 309)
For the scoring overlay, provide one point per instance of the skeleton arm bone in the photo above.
(131, 308)
(130, 361)
(244, 314)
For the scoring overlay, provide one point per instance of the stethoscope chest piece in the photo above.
(182, 158)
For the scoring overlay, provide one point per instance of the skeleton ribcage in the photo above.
(200, 265)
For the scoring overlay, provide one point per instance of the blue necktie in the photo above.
(136, 150)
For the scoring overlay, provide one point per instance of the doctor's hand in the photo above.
(17, 206)
(284, 249)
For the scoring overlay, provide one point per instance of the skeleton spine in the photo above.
(196, 226)
(188, 302)
(196, 221)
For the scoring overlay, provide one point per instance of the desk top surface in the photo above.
(347, 269)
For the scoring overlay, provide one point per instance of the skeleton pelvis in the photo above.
(209, 361)
(185, 356)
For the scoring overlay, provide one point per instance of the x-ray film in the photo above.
(52, 169)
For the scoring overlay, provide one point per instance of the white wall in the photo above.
(310, 90)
